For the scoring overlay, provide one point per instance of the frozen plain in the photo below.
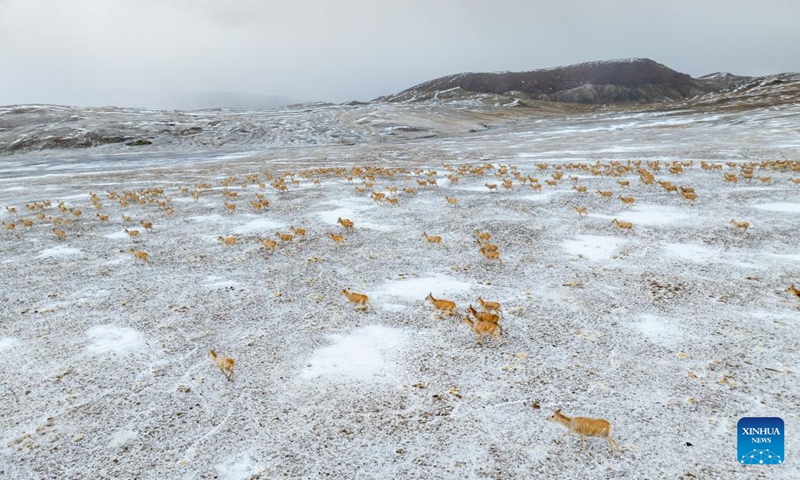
(672, 334)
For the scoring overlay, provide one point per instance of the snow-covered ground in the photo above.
(672, 333)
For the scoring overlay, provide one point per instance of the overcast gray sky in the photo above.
(140, 52)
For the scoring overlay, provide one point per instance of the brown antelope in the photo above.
(139, 254)
(126, 218)
(132, 233)
(12, 210)
(581, 211)
(432, 238)
(484, 316)
(628, 201)
(491, 186)
(484, 329)
(336, 238)
(393, 200)
(796, 181)
(508, 184)
(103, 218)
(59, 233)
(483, 236)
(740, 225)
(359, 299)
(286, 237)
(451, 200)
(443, 306)
(687, 189)
(10, 226)
(491, 255)
(27, 223)
(224, 363)
(269, 244)
(230, 206)
(551, 183)
(605, 193)
(624, 183)
(345, 222)
(536, 187)
(300, 232)
(765, 179)
(580, 189)
(691, 196)
(793, 290)
(584, 427)
(232, 240)
(488, 247)
(490, 306)
(148, 226)
(628, 226)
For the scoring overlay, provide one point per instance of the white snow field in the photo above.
(672, 332)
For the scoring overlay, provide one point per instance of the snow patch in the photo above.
(59, 252)
(419, 288)
(213, 281)
(363, 354)
(659, 330)
(257, 226)
(122, 437)
(593, 247)
(117, 235)
(113, 339)
(239, 468)
(649, 215)
(779, 207)
(7, 343)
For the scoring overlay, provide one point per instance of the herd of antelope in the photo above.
(155, 206)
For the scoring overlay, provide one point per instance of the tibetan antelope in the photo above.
(605, 193)
(139, 254)
(359, 299)
(484, 329)
(580, 189)
(268, 243)
(490, 306)
(148, 226)
(794, 290)
(740, 225)
(584, 427)
(432, 238)
(345, 222)
(336, 238)
(443, 306)
(451, 200)
(224, 363)
(491, 186)
(484, 316)
(581, 211)
(483, 236)
(59, 233)
(628, 201)
(228, 240)
(628, 226)
(132, 233)
(286, 237)
(300, 232)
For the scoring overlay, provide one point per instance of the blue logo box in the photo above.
(760, 441)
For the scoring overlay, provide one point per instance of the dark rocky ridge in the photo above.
(612, 82)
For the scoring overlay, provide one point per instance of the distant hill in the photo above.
(239, 101)
(637, 80)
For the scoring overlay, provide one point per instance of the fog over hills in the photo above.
(202, 100)
(461, 104)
